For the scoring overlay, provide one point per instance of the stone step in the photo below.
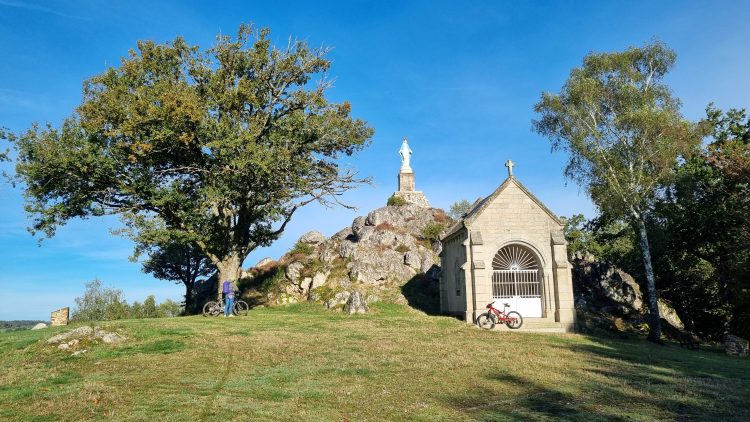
(535, 326)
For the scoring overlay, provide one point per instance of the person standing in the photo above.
(228, 291)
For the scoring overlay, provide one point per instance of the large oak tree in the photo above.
(624, 132)
(222, 145)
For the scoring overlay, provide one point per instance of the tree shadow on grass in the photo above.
(423, 293)
(618, 380)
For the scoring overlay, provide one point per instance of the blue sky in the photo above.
(458, 78)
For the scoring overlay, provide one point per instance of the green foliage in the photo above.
(99, 304)
(704, 218)
(272, 280)
(149, 307)
(301, 248)
(169, 308)
(223, 144)
(603, 239)
(625, 134)
(5, 136)
(459, 208)
(106, 304)
(432, 231)
(396, 201)
(313, 267)
(621, 126)
(580, 241)
(169, 254)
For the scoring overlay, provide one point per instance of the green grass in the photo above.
(304, 363)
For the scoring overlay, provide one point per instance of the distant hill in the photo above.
(19, 325)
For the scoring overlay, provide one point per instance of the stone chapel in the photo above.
(508, 247)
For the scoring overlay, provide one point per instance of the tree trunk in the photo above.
(229, 270)
(189, 298)
(654, 333)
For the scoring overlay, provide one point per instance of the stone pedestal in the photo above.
(60, 317)
(406, 181)
(406, 189)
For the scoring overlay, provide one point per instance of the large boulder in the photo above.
(294, 270)
(607, 288)
(607, 293)
(312, 238)
(411, 218)
(356, 304)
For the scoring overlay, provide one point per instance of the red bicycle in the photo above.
(494, 316)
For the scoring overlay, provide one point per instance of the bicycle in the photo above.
(216, 307)
(487, 320)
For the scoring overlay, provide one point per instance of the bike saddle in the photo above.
(505, 304)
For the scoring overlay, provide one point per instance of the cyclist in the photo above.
(228, 299)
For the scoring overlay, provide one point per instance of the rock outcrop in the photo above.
(609, 298)
(375, 256)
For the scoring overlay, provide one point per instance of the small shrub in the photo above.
(396, 201)
(402, 249)
(441, 217)
(313, 267)
(272, 280)
(300, 248)
(339, 268)
(170, 308)
(99, 303)
(431, 232)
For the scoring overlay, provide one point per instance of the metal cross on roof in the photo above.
(510, 165)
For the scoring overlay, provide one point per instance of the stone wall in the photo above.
(514, 217)
(736, 346)
(60, 317)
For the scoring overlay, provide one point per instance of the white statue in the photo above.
(406, 153)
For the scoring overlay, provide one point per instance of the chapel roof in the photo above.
(481, 204)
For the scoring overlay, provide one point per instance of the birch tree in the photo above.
(624, 133)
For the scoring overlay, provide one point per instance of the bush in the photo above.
(99, 303)
(170, 308)
(301, 248)
(272, 280)
(396, 201)
(106, 304)
(431, 232)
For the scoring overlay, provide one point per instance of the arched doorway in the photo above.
(517, 279)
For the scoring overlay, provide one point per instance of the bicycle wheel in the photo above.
(514, 320)
(211, 308)
(486, 321)
(241, 307)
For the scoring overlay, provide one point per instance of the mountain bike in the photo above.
(216, 307)
(487, 320)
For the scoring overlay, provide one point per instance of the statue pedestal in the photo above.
(406, 181)
(406, 189)
(414, 197)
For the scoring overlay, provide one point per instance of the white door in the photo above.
(520, 289)
(516, 280)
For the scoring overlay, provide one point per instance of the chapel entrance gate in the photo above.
(517, 280)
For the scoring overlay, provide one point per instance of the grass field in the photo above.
(302, 363)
